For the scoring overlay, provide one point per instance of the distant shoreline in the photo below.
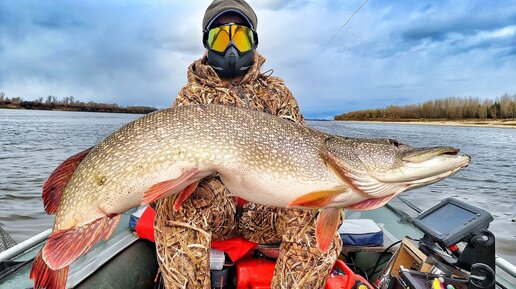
(504, 123)
(80, 108)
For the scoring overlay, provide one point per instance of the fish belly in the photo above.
(271, 188)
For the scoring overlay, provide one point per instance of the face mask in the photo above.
(230, 49)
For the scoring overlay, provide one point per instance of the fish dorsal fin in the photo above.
(64, 246)
(327, 224)
(44, 277)
(161, 189)
(318, 199)
(364, 183)
(184, 195)
(56, 183)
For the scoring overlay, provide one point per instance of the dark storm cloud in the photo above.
(511, 52)
(438, 28)
(56, 20)
(465, 30)
(94, 51)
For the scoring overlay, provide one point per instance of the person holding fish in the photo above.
(229, 74)
(245, 128)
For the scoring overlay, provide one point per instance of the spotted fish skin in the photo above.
(233, 142)
(259, 157)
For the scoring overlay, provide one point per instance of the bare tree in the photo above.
(506, 107)
(446, 108)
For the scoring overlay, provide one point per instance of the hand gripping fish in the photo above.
(259, 157)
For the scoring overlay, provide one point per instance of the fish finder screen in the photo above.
(447, 218)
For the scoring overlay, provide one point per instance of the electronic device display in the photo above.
(451, 220)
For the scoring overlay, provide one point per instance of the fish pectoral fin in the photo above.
(327, 224)
(318, 199)
(64, 246)
(184, 195)
(161, 189)
(55, 184)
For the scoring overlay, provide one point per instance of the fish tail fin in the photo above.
(44, 277)
(55, 184)
(64, 246)
(327, 224)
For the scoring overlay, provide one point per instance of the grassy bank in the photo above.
(70, 104)
(503, 123)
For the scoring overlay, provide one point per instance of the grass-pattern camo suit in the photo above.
(211, 213)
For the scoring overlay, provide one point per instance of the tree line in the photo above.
(51, 102)
(503, 107)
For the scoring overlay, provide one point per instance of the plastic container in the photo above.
(217, 259)
(220, 279)
(254, 273)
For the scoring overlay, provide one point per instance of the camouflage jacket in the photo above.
(255, 91)
(211, 213)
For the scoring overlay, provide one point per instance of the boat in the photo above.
(126, 261)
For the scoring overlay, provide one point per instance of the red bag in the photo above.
(145, 226)
(236, 248)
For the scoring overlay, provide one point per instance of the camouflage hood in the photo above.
(202, 73)
(256, 90)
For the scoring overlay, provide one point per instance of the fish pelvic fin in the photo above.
(371, 204)
(64, 246)
(327, 224)
(56, 183)
(318, 199)
(184, 195)
(164, 188)
(44, 277)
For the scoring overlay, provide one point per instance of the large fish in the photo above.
(258, 157)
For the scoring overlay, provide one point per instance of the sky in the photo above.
(137, 52)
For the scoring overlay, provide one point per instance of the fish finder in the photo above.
(451, 221)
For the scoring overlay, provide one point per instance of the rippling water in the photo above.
(33, 143)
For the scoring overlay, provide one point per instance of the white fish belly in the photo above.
(269, 188)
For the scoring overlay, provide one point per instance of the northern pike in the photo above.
(259, 157)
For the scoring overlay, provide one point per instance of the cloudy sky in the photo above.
(137, 52)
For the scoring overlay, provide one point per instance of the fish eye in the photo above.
(394, 142)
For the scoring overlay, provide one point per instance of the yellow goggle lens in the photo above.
(220, 37)
(242, 37)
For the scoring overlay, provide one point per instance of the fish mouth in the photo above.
(425, 166)
(423, 154)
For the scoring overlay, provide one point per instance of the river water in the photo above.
(33, 143)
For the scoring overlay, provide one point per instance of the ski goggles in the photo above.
(219, 38)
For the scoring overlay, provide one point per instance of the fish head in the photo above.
(376, 170)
